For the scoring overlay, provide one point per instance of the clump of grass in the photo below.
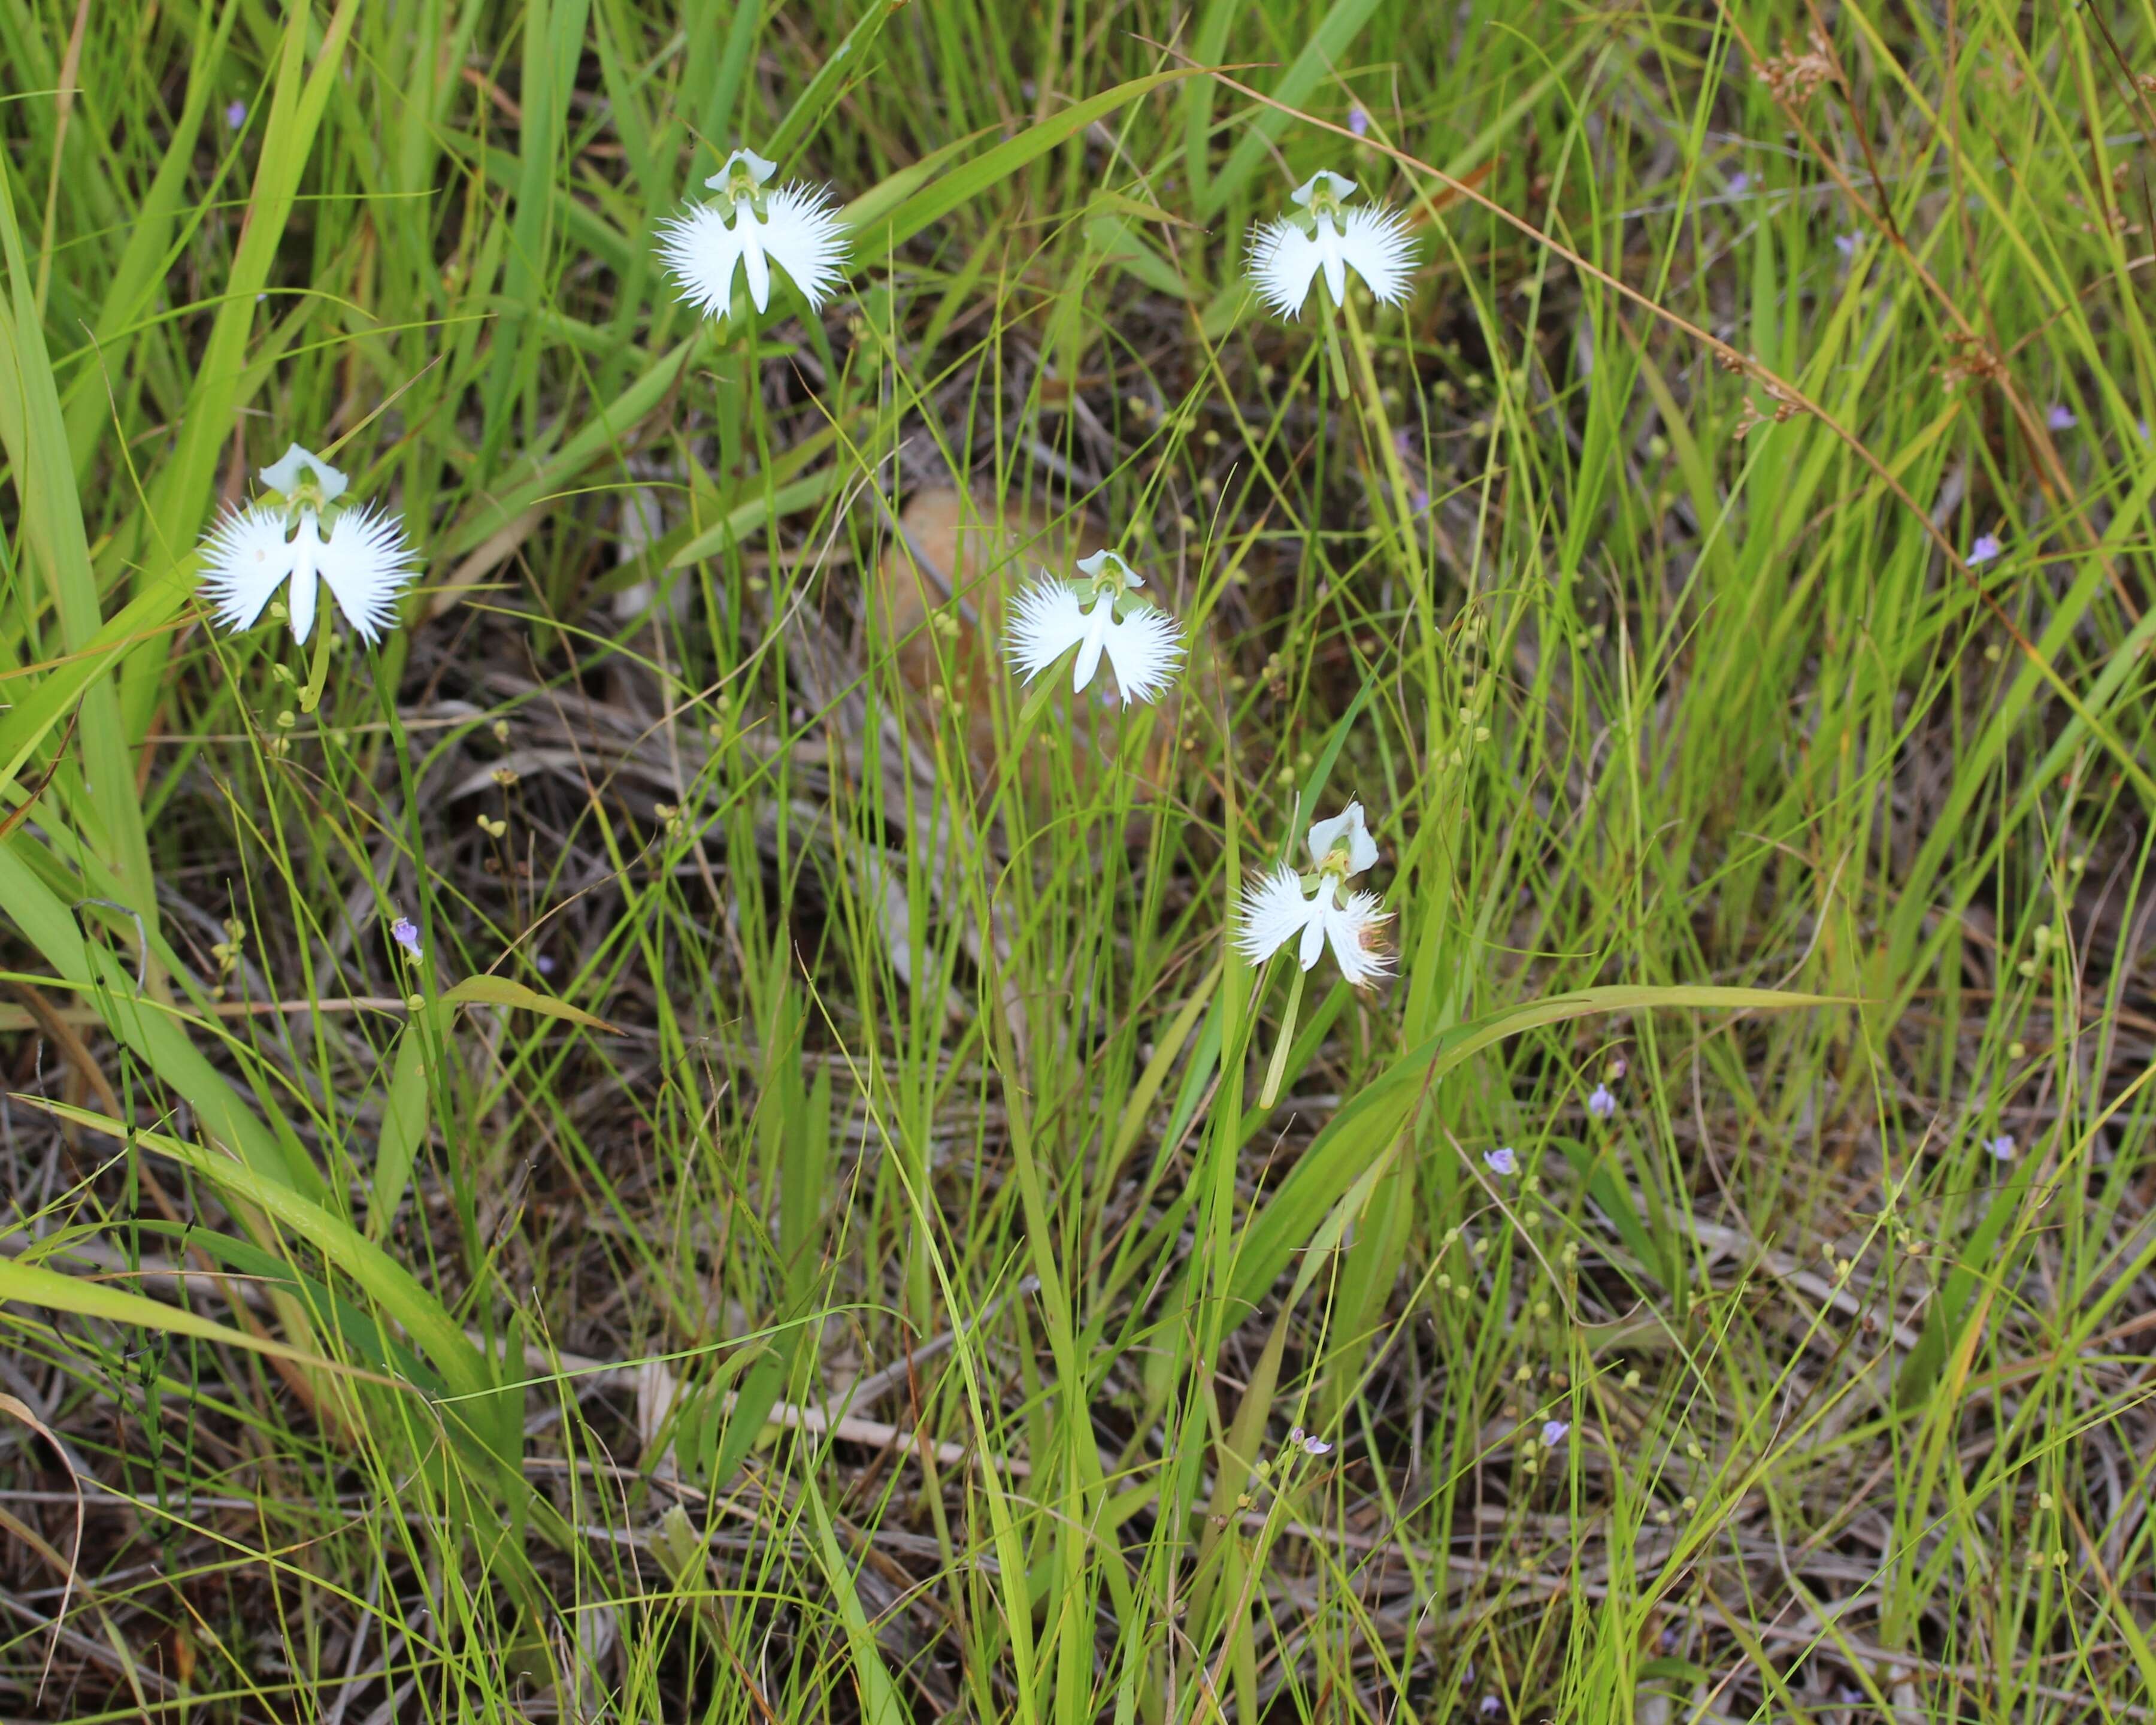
(673, 1148)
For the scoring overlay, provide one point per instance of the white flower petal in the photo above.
(366, 564)
(701, 250)
(303, 590)
(1283, 261)
(1144, 648)
(807, 240)
(1343, 187)
(283, 475)
(1045, 621)
(755, 268)
(1348, 824)
(1273, 911)
(759, 168)
(1330, 260)
(1353, 929)
(1377, 244)
(245, 559)
(1313, 931)
(1101, 560)
(1098, 620)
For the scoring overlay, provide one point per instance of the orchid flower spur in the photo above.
(1290, 251)
(797, 228)
(364, 560)
(1281, 908)
(1142, 643)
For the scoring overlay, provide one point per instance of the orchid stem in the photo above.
(318, 672)
(1340, 386)
(1278, 1067)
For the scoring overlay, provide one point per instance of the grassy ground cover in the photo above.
(825, 1225)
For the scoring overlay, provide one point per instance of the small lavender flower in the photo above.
(1553, 1431)
(1489, 1706)
(1358, 120)
(1987, 547)
(1601, 1103)
(406, 934)
(1846, 244)
(1740, 182)
(1419, 499)
(235, 115)
(1501, 1161)
(2061, 418)
(2000, 1148)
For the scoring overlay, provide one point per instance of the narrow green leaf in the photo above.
(404, 1118)
(847, 60)
(501, 991)
(1327, 47)
(476, 1401)
(964, 184)
(32, 720)
(33, 1285)
(1367, 1125)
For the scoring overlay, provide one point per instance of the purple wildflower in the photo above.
(2061, 418)
(1987, 547)
(1419, 499)
(2000, 1148)
(406, 934)
(1488, 1705)
(235, 115)
(1846, 244)
(1740, 182)
(1553, 1431)
(1501, 1160)
(1358, 120)
(1600, 1103)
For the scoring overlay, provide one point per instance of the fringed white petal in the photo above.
(1144, 649)
(700, 248)
(366, 564)
(1274, 911)
(245, 559)
(1045, 621)
(1377, 244)
(1355, 931)
(1284, 261)
(806, 239)
(802, 235)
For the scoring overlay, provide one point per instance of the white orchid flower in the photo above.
(796, 228)
(1142, 642)
(364, 559)
(1282, 907)
(1289, 252)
